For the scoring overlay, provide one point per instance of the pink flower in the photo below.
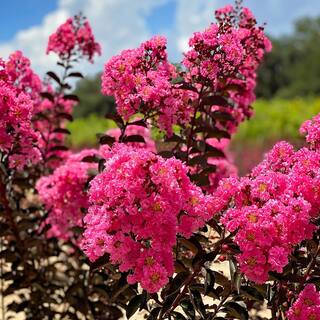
(140, 81)
(272, 208)
(17, 137)
(63, 195)
(138, 206)
(307, 306)
(74, 38)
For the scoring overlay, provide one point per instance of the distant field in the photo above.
(277, 119)
(84, 130)
(273, 120)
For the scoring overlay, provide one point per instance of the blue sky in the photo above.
(21, 14)
(120, 24)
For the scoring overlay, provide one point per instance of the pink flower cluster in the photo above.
(17, 71)
(138, 206)
(74, 38)
(140, 81)
(63, 194)
(311, 129)
(307, 306)
(272, 209)
(225, 57)
(18, 139)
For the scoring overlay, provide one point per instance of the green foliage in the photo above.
(292, 69)
(91, 100)
(277, 119)
(84, 130)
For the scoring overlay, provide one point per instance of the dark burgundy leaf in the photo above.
(133, 305)
(166, 154)
(224, 116)
(59, 148)
(215, 101)
(91, 159)
(62, 130)
(72, 97)
(64, 115)
(134, 138)
(100, 262)
(217, 133)
(140, 123)
(236, 310)
(75, 74)
(47, 95)
(198, 160)
(52, 75)
(106, 139)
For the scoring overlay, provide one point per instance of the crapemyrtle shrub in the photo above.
(145, 224)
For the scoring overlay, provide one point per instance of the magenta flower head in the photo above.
(74, 38)
(307, 306)
(138, 206)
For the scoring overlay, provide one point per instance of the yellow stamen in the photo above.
(155, 277)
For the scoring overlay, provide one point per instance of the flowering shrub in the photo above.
(18, 139)
(138, 205)
(63, 194)
(139, 224)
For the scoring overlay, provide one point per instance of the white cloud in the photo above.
(117, 24)
(121, 24)
(192, 16)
